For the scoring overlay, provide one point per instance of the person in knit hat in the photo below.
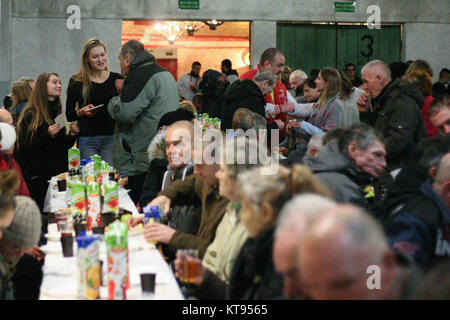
(7, 161)
(22, 234)
(7, 136)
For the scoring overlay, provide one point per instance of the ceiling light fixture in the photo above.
(213, 24)
(192, 26)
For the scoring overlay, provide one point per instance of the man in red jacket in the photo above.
(273, 59)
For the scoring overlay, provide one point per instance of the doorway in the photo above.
(313, 46)
(176, 49)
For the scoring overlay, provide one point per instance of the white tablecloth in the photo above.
(55, 200)
(60, 274)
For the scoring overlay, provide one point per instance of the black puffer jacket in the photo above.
(254, 276)
(398, 117)
(241, 94)
(212, 90)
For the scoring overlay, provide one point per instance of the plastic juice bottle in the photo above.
(116, 239)
(152, 214)
(74, 161)
(89, 280)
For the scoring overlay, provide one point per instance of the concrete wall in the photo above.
(5, 48)
(263, 35)
(429, 42)
(40, 41)
(436, 11)
(47, 45)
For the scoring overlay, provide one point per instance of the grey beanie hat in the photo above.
(25, 229)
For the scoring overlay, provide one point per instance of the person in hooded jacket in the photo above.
(161, 173)
(248, 94)
(348, 165)
(420, 167)
(147, 93)
(394, 110)
(212, 87)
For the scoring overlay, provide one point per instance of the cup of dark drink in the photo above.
(62, 185)
(66, 237)
(107, 218)
(112, 176)
(98, 230)
(148, 282)
(67, 244)
(60, 217)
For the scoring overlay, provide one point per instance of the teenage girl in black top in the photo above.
(91, 86)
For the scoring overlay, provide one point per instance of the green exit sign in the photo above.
(189, 4)
(344, 6)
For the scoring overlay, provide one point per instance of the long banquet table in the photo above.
(60, 273)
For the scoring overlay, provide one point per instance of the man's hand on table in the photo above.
(158, 232)
(162, 201)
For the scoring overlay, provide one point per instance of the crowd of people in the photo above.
(358, 182)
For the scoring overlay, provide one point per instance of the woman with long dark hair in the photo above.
(42, 145)
(91, 86)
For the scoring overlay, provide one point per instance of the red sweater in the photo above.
(279, 93)
(10, 163)
(431, 130)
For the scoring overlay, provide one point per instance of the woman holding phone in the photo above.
(88, 95)
(41, 144)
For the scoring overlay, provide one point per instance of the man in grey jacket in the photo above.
(148, 92)
(348, 164)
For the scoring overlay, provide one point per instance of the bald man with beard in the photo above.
(344, 256)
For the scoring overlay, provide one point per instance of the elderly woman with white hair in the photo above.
(253, 275)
